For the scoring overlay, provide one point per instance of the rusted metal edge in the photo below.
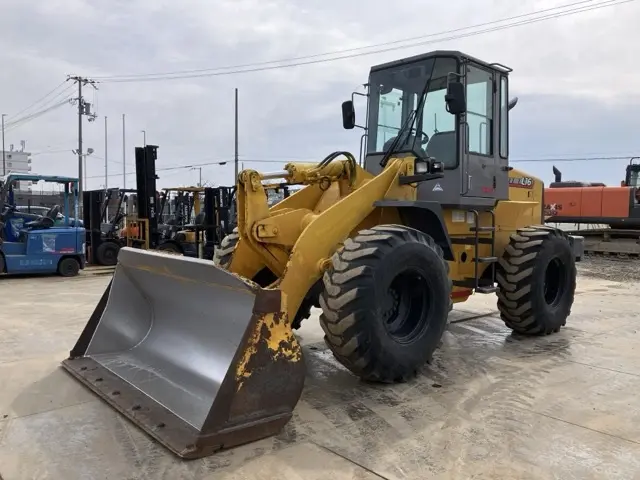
(161, 424)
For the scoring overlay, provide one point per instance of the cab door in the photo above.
(479, 165)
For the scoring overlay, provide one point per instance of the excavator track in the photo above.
(603, 242)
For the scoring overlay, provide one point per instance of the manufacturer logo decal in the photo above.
(437, 188)
(553, 209)
(521, 182)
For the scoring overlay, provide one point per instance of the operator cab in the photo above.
(450, 110)
(632, 174)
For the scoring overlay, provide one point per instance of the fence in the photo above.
(41, 198)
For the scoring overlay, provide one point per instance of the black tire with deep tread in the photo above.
(222, 254)
(526, 300)
(107, 253)
(68, 267)
(355, 290)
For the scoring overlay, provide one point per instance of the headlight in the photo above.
(421, 167)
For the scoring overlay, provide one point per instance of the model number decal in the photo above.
(521, 182)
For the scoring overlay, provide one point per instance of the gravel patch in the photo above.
(610, 268)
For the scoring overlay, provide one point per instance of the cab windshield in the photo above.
(633, 178)
(395, 95)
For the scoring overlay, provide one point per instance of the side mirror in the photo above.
(437, 167)
(348, 115)
(455, 98)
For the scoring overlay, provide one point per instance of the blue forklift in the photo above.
(49, 243)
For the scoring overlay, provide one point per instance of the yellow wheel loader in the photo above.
(202, 355)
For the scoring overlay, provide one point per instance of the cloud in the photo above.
(574, 75)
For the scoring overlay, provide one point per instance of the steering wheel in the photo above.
(53, 212)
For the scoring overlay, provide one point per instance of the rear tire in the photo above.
(385, 302)
(171, 248)
(537, 280)
(107, 253)
(68, 267)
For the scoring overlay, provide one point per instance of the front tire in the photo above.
(68, 267)
(537, 280)
(107, 253)
(385, 302)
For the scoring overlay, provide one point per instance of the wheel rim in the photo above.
(110, 254)
(554, 282)
(407, 303)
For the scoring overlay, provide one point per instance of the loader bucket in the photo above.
(197, 357)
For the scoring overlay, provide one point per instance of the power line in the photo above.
(21, 121)
(312, 59)
(50, 152)
(256, 160)
(39, 100)
(344, 50)
(44, 108)
(184, 167)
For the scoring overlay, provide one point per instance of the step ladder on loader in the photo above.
(481, 282)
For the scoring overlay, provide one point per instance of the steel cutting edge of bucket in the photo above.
(197, 357)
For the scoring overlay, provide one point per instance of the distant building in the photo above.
(18, 162)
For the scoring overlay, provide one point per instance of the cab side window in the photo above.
(504, 117)
(480, 113)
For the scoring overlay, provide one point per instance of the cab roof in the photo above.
(441, 53)
(15, 177)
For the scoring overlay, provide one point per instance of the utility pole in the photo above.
(200, 170)
(4, 163)
(106, 172)
(106, 155)
(83, 109)
(236, 143)
(144, 137)
(124, 157)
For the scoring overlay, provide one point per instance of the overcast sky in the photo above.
(576, 78)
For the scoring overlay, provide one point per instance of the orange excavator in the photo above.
(608, 217)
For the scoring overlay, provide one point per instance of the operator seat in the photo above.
(442, 147)
(404, 145)
(48, 221)
(53, 212)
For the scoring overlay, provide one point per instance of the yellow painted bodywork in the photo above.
(524, 208)
(272, 333)
(296, 238)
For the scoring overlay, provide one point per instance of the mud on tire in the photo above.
(385, 302)
(537, 281)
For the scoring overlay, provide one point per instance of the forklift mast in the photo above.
(147, 200)
(218, 215)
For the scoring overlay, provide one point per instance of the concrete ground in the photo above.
(491, 406)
